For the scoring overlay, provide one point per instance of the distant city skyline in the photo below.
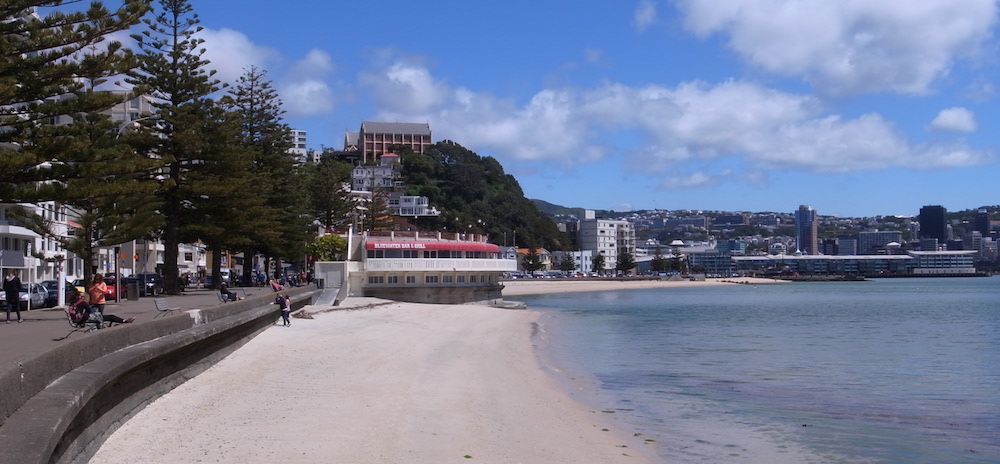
(682, 104)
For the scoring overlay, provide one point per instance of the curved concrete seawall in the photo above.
(60, 406)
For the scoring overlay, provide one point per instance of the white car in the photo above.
(37, 293)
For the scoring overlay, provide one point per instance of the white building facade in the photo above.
(607, 237)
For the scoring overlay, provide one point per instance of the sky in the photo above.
(853, 107)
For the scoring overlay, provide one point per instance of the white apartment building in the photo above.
(299, 149)
(607, 237)
(18, 244)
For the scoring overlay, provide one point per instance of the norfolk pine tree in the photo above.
(40, 61)
(264, 140)
(597, 262)
(331, 202)
(625, 262)
(172, 72)
(59, 146)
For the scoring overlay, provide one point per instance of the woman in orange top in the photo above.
(97, 291)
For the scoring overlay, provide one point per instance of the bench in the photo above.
(163, 307)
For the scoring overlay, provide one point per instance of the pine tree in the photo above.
(532, 261)
(172, 72)
(330, 201)
(625, 261)
(377, 216)
(42, 61)
(597, 262)
(270, 212)
(659, 263)
(567, 264)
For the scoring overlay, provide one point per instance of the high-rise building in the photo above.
(982, 222)
(932, 223)
(807, 230)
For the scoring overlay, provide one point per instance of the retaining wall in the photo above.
(61, 405)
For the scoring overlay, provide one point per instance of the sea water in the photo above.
(903, 370)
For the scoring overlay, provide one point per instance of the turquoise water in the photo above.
(888, 371)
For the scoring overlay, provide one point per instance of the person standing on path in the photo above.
(12, 289)
(97, 291)
(286, 310)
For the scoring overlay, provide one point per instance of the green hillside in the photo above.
(474, 194)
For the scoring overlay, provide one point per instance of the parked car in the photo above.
(81, 285)
(52, 287)
(34, 291)
(149, 284)
(112, 289)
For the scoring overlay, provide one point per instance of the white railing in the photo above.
(440, 264)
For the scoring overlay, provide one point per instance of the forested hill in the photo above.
(473, 193)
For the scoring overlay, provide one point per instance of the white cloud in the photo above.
(954, 119)
(304, 90)
(405, 87)
(231, 53)
(644, 15)
(689, 123)
(307, 97)
(849, 46)
(316, 63)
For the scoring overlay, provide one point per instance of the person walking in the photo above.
(12, 289)
(97, 291)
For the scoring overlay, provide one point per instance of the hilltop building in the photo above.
(367, 178)
(377, 138)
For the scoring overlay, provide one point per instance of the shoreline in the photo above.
(521, 287)
(380, 382)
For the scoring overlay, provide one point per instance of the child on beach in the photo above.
(286, 310)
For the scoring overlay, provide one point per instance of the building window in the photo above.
(392, 279)
(461, 279)
(431, 279)
(472, 279)
(446, 279)
(411, 279)
(376, 279)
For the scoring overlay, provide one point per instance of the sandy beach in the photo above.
(544, 286)
(382, 383)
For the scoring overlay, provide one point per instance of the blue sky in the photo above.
(854, 107)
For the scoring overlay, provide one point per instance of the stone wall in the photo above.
(61, 405)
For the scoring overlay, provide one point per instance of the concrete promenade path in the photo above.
(46, 328)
